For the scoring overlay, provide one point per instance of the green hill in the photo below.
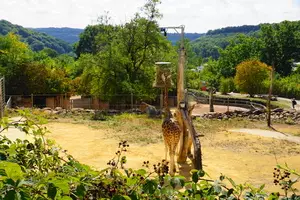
(208, 44)
(70, 35)
(36, 40)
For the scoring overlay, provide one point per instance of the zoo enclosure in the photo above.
(118, 101)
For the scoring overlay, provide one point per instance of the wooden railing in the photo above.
(243, 103)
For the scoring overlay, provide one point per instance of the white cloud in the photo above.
(196, 15)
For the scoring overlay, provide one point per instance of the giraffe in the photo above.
(171, 130)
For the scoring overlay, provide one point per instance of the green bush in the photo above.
(39, 170)
(287, 86)
(226, 85)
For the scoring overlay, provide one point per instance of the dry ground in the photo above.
(245, 158)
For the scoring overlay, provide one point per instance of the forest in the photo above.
(119, 59)
(36, 40)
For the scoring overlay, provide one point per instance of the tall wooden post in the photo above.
(270, 94)
(181, 98)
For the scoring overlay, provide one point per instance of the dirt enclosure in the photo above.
(243, 157)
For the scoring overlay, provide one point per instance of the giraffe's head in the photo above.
(166, 113)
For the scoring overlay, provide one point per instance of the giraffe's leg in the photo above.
(172, 162)
(166, 150)
(177, 150)
(189, 153)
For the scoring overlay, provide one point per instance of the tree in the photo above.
(211, 75)
(240, 49)
(226, 85)
(124, 63)
(281, 45)
(251, 77)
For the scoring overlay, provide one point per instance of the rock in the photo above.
(277, 110)
(257, 112)
(48, 112)
(46, 108)
(55, 112)
(58, 108)
(77, 109)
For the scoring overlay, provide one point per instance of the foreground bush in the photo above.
(38, 170)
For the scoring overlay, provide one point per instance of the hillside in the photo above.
(36, 40)
(234, 29)
(208, 45)
(174, 37)
(70, 35)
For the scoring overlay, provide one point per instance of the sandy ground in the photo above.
(204, 108)
(267, 133)
(243, 157)
(246, 155)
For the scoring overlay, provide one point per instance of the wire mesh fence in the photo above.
(65, 101)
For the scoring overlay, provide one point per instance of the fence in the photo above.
(118, 102)
(243, 103)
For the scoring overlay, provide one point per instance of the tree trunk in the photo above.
(211, 104)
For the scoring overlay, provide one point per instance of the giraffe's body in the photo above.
(171, 133)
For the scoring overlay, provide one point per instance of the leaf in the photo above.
(12, 170)
(52, 191)
(232, 182)
(262, 187)
(134, 196)
(177, 181)
(66, 198)
(62, 185)
(230, 192)
(201, 173)
(217, 189)
(150, 186)
(198, 197)
(195, 177)
(80, 190)
(10, 195)
(120, 197)
(25, 195)
(141, 172)
(2, 172)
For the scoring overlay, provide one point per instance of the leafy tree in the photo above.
(251, 77)
(281, 45)
(241, 49)
(125, 59)
(211, 75)
(226, 85)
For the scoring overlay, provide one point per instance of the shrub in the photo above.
(251, 77)
(226, 85)
(287, 86)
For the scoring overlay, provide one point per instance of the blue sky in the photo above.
(196, 15)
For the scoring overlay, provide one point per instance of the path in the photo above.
(267, 133)
(297, 107)
(14, 133)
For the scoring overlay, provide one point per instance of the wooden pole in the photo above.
(183, 149)
(269, 98)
